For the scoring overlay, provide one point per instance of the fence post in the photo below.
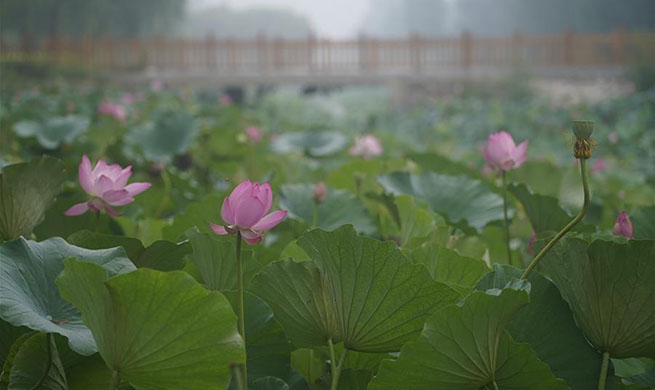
(278, 54)
(618, 46)
(362, 49)
(466, 44)
(416, 52)
(311, 42)
(568, 48)
(262, 52)
(517, 48)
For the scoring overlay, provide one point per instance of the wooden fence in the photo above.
(415, 54)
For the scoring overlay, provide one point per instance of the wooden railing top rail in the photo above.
(413, 54)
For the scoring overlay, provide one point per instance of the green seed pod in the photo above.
(583, 129)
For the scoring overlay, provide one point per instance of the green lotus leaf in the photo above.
(339, 208)
(157, 330)
(449, 267)
(170, 133)
(270, 383)
(37, 355)
(544, 212)
(161, 255)
(467, 348)
(609, 287)
(312, 143)
(356, 289)
(643, 221)
(53, 131)
(640, 371)
(547, 324)
(415, 222)
(8, 335)
(216, 260)
(29, 296)
(198, 214)
(464, 202)
(26, 191)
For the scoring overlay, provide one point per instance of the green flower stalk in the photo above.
(582, 150)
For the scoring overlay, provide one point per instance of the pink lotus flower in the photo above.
(623, 226)
(501, 153)
(367, 146)
(599, 166)
(115, 110)
(107, 185)
(319, 193)
(245, 209)
(254, 133)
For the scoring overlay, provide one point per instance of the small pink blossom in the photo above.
(225, 100)
(533, 238)
(502, 154)
(319, 193)
(156, 85)
(367, 146)
(107, 185)
(128, 99)
(244, 210)
(114, 110)
(623, 226)
(599, 166)
(254, 133)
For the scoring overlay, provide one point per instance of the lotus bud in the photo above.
(319, 193)
(623, 226)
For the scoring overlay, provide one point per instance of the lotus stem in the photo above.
(507, 238)
(167, 192)
(48, 340)
(336, 368)
(236, 376)
(495, 385)
(115, 381)
(568, 227)
(240, 306)
(603, 371)
(315, 216)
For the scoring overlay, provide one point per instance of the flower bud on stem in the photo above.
(584, 145)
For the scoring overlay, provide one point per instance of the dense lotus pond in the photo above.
(162, 239)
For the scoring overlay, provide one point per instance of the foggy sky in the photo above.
(337, 19)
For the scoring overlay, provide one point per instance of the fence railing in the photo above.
(414, 54)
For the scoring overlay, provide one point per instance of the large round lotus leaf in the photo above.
(36, 355)
(339, 208)
(313, 143)
(29, 296)
(158, 330)
(609, 286)
(53, 131)
(26, 191)
(580, 365)
(544, 212)
(466, 203)
(171, 133)
(355, 289)
(467, 348)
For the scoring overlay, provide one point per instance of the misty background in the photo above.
(333, 19)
